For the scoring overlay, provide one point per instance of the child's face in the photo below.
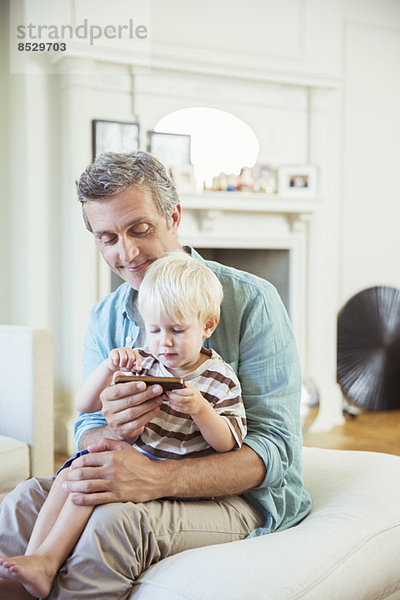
(177, 345)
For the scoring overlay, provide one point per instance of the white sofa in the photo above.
(348, 548)
(26, 405)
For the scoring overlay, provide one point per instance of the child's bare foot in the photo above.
(35, 573)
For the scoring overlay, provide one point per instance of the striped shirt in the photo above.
(175, 435)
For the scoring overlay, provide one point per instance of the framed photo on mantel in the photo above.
(298, 181)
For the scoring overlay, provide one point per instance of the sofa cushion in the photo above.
(347, 548)
(14, 463)
(27, 408)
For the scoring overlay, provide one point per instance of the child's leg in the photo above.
(52, 540)
(44, 522)
(48, 514)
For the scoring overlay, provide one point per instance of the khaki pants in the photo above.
(121, 540)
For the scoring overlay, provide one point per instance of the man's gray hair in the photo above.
(112, 173)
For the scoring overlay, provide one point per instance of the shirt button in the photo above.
(128, 339)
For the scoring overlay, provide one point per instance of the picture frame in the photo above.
(172, 149)
(264, 178)
(298, 180)
(114, 136)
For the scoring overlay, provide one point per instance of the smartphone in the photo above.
(167, 383)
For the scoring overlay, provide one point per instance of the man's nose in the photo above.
(127, 250)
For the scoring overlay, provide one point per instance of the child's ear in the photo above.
(210, 326)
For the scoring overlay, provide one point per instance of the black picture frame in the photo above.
(114, 136)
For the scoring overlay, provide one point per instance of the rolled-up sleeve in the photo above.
(85, 422)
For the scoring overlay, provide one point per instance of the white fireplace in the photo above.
(297, 121)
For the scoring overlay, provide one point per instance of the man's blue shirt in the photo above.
(255, 337)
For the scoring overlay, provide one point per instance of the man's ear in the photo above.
(175, 217)
(210, 326)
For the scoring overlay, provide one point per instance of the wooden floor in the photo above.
(373, 431)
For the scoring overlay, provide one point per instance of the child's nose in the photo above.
(166, 339)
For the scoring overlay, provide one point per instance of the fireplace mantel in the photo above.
(250, 202)
(210, 206)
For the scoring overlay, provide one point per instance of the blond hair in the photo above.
(180, 286)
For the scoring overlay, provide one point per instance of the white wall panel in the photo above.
(371, 208)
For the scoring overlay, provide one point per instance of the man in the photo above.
(146, 510)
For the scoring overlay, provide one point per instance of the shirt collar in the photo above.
(194, 253)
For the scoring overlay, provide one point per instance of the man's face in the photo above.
(131, 233)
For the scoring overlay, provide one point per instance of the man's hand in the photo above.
(116, 472)
(128, 407)
(112, 472)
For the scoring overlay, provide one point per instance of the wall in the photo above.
(300, 35)
(370, 214)
(4, 187)
(45, 122)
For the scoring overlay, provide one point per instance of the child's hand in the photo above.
(124, 359)
(187, 400)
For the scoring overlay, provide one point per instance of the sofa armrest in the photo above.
(26, 393)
